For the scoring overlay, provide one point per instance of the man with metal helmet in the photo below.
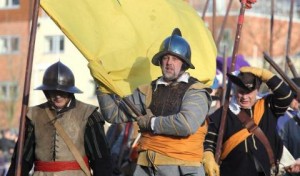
(63, 136)
(174, 108)
(176, 46)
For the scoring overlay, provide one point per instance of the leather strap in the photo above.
(69, 143)
(249, 124)
(241, 135)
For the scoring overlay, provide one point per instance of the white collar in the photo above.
(183, 78)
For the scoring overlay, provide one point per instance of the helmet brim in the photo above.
(157, 57)
(60, 88)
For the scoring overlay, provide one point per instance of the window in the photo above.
(9, 44)
(7, 4)
(8, 91)
(55, 44)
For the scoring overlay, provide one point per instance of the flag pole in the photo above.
(228, 89)
(131, 106)
(26, 87)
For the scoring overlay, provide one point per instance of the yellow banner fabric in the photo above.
(119, 38)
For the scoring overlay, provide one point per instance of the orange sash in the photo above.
(188, 148)
(241, 135)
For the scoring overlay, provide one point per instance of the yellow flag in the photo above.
(119, 38)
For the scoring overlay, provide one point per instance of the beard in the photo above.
(171, 75)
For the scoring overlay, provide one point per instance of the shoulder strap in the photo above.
(241, 135)
(69, 143)
(250, 125)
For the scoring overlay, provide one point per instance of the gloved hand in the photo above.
(144, 122)
(210, 165)
(261, 73)
(249, 3)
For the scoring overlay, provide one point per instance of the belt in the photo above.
(56, 166)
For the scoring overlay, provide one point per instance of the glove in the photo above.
(261, 73)
(210, 165)
(144, 122)
(249, 3)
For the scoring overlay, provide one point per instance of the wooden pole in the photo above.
(228, 90)
(291, 83)
(291, 66)
(27, 87)
(271, 28)
(214, 20)
(288, 41)
(271, 31)
(132, 107)
(224, 71)
(223, 25)
(205, 9)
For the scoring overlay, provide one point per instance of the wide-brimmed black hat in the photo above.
(246, 81)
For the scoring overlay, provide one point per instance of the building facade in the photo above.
(14, 36)
(51, 45)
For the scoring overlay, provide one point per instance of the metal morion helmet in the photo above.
(59, 77)
(177, 46)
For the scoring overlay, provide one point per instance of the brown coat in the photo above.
(74, 123)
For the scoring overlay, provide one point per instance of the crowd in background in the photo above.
(8, 138)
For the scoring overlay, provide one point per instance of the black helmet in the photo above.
(175, 45)
(59, 77)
